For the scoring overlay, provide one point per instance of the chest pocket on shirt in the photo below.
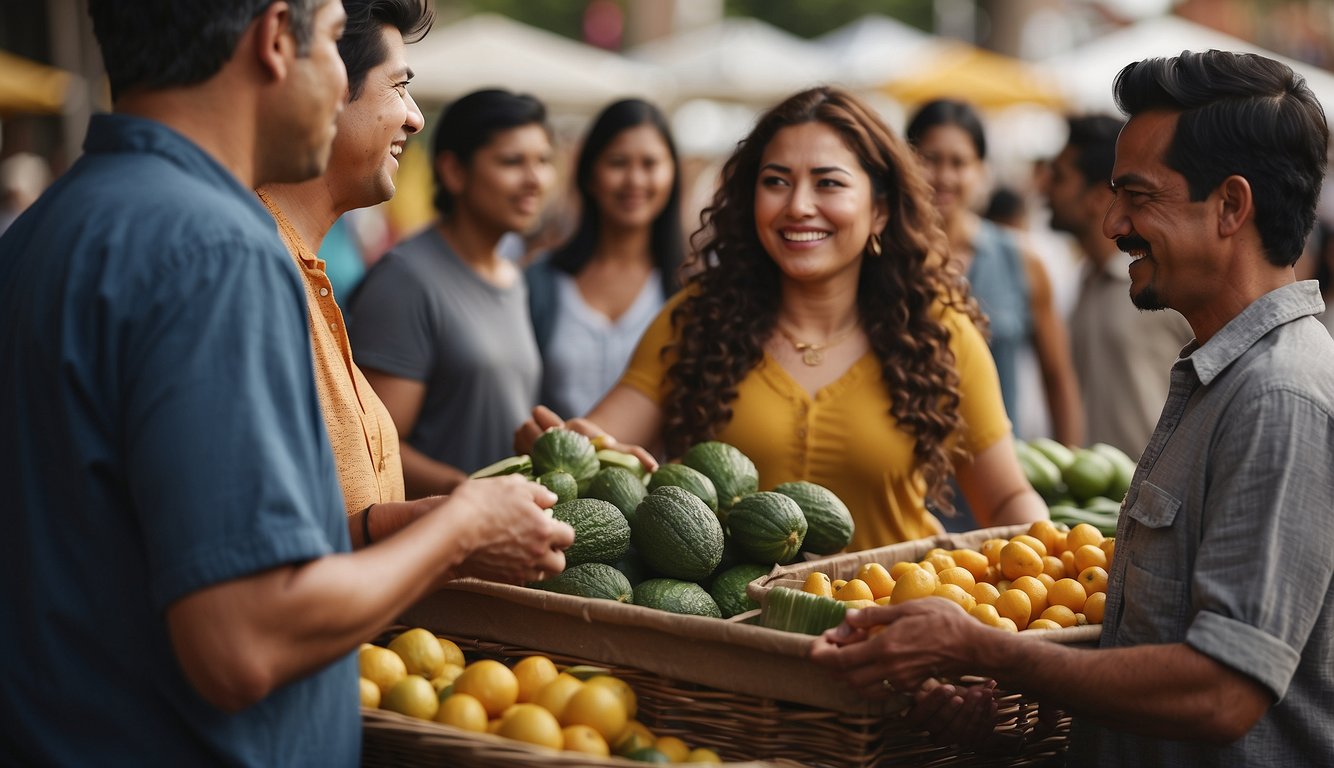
(1154, 591)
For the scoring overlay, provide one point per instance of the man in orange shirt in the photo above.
(376, 121)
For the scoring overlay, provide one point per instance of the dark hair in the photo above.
(934, 114)
(1005, 206)
(1093, 137)
(1244, 115)
(666, 243)
(362, 46)
(471, 122)
(722, 325)
(158, 44)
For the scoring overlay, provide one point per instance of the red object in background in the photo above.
(604, 22)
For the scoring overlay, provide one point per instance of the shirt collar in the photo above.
(1278, 307)
(112, 133)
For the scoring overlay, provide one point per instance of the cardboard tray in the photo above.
(845, 566)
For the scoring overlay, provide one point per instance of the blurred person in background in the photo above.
(593, 298)
(189, 594)
(1010, 285)
(23, 177)
(440, 325)
(1123, 355)
(827, 335)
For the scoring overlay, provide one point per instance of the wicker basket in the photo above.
(845, 567)
(739, 728)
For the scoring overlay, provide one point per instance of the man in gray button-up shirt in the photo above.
(1218, 635)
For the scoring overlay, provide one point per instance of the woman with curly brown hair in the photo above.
(827, 335)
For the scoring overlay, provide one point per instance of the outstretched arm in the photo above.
(239, 640)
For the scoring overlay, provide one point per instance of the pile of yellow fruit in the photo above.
(1047, 578)
(581, 709)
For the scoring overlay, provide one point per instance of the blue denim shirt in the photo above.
(1226, 541)
(159, 433)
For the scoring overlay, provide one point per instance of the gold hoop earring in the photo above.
(873, 244)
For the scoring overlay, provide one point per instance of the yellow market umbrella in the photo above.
(985, 79)
(26, 86)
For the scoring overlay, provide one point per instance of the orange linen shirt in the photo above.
(843, 437)
(361, 432)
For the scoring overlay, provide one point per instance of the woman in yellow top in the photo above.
(828, 336)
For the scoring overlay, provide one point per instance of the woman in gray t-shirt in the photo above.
(440, 325)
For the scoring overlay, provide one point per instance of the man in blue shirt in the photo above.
(1217, 645)
(181, 590)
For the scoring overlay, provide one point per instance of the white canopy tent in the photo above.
(1086, 73)
(738, 60)
(875, 49)
(489, 50)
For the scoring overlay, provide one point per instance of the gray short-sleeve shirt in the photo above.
(1226, 542)
(421, 313)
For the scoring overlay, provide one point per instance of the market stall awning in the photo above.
(985, 79)
(26, 86)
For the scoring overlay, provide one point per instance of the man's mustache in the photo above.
(1133, 243)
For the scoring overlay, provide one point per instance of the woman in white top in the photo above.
(592, 299)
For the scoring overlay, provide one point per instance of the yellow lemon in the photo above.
(1088, 556)
(1037, 593)
(1053, 567)
(491, 683)
(1060, 615)
(959, 576)
(635, 736)
(836, 584)
(818, 584)
(599, 707)
(897, 570)
(370, 694)
(854, 589)
(381, 666)
(940, 561)
(1033, 543)
(447, 677)
(1013, 604)
(1046, 532)
(992, 549)
(420, 651)
(1007, 624)
(1080, 535)
(915, 583)
(675, 749)
(1047, 580)
(1068, 564)
(412, 696)
(532, 724)
(1018, 559)
(583, 739)
(971, 560)
(1094, 579)
(533, 673)
(1069, 593)
(985, 593)
(986, 614)
(1039, 624)
(556, 694)
(1108, 546)
(453, 653)
(1093, 607)
(956, 594)
(462, 711)
(622, 689)
(702, 755)
(877, 578)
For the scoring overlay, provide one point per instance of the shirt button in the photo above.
(324, 291)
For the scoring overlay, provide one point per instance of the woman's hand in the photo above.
(544, 418)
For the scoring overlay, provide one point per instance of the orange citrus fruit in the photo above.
(1033, 543)
(533, 673)
(877, 578)
(491, 683)
(1069, 593)
(1018, 559)
(598, 707)
(1082, 534)
(532, 724)
(1088, 556)
(1037, 594)
(462, 711)
(985, 593)
(1093, 607)
(1013, 604)
(1094, 579)
(974, 561)
(818, 584)
(585, 740)
(854, 589)
(1061, 615)
(914, 583)
(959, 576)
(622, 689)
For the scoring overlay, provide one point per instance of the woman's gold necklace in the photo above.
(812, 353)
